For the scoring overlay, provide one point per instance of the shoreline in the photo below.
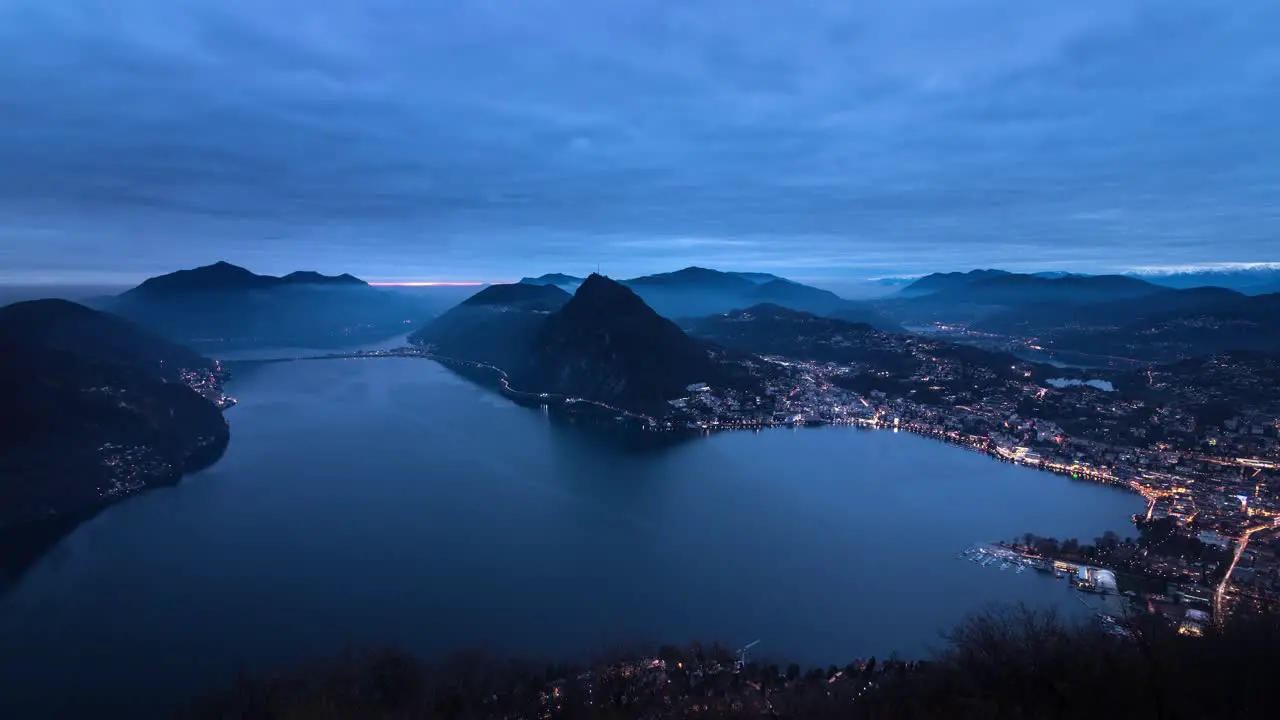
(467, 368)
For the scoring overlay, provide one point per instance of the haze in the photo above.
(425, 140)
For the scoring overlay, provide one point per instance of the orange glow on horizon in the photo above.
(428, 283)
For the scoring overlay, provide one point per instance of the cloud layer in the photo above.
(437, 139)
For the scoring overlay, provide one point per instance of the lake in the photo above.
(387, 500)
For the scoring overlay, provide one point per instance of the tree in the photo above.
(793, 671)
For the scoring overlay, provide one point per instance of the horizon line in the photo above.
(430, 283)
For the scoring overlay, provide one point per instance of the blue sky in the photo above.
(485, 140)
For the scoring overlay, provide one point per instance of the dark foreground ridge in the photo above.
(1003, 663)
(94, 410)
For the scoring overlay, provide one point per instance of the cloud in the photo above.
(480, 139)
(1217, 267)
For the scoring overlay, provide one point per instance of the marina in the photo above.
(1085, 578)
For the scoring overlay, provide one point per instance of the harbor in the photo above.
(1107, 602)
(1085, 578)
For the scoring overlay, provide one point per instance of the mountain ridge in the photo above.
(604, 343)
(94, 410)
(223, 276)
(224, 305)
(607, 344)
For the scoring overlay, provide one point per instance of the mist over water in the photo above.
(389, 501)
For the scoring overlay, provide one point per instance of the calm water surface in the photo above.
(387, 500)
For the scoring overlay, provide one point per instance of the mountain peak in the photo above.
(607, 344)
(522, 294)
(311, 277)
(552, 279)
(695, 278)
(221, 275)
(600, 295)
(938, 282)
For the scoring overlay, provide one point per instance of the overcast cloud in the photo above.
(453, 140)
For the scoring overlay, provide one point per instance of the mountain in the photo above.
(606, 344)
(696, 291)
(794, 295)
(966, 298)
(1259, 280)
(1035, 319)
(1186, 323)
(692, 291)
(309, 277)
(939, 282)
(496, 325)
(769, 329)
(223, 305)
(224, 277)
(1114, 317)
(603, 343)
(64, 326)
(560, 280)
(94, 410)
(758, 278)
(1015, 289)
(219, 277)
(531, 296)
(693, 278)
(772, 330)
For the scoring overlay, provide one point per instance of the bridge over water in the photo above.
(504, 385)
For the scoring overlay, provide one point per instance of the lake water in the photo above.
(389, 501)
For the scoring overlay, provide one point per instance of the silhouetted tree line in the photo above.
(1000, 664)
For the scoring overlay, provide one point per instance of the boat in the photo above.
(1021, 568)
(1004, 566)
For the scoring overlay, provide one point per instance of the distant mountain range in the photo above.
(997, 287)
(94, 409)
(603, 343)
(225, 306)
(568, 283)
(1260, 280)
(942, 282)
(772, 330)
(697, 291)
(891, 358)
(225, 277)
(1117, 316)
